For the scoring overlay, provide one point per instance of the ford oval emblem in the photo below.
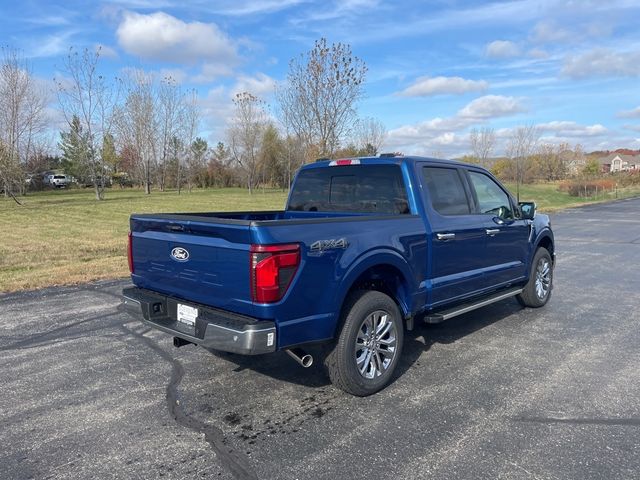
(180, 254)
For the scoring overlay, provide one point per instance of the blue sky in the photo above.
(436, 69)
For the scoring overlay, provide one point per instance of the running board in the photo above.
(443, 315)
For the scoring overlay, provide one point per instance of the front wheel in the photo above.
(367, 351)
(537, 291)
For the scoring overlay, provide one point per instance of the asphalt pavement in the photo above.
(86, 392)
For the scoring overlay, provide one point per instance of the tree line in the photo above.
(529, 159)
(146, 131)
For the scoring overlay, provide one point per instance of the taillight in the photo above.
(130, 253)
(272, 269)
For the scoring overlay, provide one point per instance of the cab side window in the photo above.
(448, 196)
(491, 198)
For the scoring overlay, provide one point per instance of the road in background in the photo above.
(502, 392)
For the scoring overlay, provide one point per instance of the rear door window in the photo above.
(446, 191)
(352, 188)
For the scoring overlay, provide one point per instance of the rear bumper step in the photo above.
(215, 329)
(441, 316)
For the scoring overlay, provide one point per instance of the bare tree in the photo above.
(190, 130)
(370, 134)
(482, 142)
(9, 172)
(170, 113)
(137, 126)
(521, 146)
(22, 119)
(317, 101)
(85, 93)
(245, 134)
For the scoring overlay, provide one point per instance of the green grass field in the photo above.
(550, 199)
(66, 237)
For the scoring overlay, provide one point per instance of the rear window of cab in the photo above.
(352, 188)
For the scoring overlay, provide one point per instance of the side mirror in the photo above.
(528, 210)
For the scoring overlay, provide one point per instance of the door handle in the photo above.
(492, 231)
(446, 236)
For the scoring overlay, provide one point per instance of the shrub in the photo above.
(587, 187)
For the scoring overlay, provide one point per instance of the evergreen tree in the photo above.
(74, 149)
(109, 155)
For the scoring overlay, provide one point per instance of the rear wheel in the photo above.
(367, 351)
(537, 291)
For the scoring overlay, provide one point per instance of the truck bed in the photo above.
(217, 273)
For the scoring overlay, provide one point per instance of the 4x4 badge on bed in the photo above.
(322, 245)
(180, 254)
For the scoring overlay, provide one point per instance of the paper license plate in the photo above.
(187, 314)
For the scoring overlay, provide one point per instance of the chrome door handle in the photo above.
(492, 231)
(446, 236)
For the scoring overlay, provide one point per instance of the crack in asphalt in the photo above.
(237, 464)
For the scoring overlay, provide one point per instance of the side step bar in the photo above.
(443, 315)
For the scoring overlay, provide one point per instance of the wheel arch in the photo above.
(545, 240)
(386, 272)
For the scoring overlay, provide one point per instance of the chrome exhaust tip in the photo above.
(301, 357)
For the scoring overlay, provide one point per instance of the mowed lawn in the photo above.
(549, 199)
(67, 237)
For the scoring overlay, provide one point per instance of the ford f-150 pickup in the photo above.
(363, 249)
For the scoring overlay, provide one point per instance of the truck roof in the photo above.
(379, 161)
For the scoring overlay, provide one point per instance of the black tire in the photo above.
(538, 289)
(360, 361)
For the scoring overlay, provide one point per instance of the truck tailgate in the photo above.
(201, 261)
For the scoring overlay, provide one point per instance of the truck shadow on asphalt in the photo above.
(424, 336)
(282, 367)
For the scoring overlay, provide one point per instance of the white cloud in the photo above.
(633, 128)
(261, 85)
(56, 44)
(419, 142)
(572, 129)
(603, 62)
(106, 51)
(425, 86)
(338, 10)
(491, 106)
(634, 113)
(447, 135)
(549, 32)
(160, 36)
(252, 7)
(217, 109)
(211, 71)
(502, 49)
(538, 53)
(217, 105)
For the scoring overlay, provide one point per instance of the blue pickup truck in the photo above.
(364, 248)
